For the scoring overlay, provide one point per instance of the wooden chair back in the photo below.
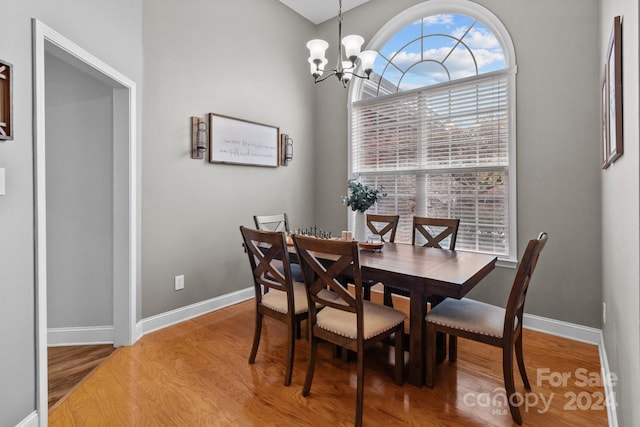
(267, 250)
(278, 222)
(515, 304)
(330, 265)
(383, 225)
(435, 231)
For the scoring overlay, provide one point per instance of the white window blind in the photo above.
(440, 151)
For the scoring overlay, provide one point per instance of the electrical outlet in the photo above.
(604, 312)
(178, 282)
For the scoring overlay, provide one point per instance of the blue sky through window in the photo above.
(437, 49)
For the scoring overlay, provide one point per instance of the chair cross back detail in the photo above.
(423, 225)
(278, 222)
(320, 276)
(261, 259)
(383, 225)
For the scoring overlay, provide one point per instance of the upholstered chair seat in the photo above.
(376, 320)
(470, 316)
(277, 300)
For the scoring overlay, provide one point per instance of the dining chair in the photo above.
(276, 294)
(277, 222)
(346, 319)
(383, 225)
(489, 324)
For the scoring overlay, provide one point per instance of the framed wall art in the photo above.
(237, 141)
(612, 98)
(604, 101)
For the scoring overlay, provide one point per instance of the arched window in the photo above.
(435, 124)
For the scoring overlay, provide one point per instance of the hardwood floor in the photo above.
(69, 366)
(196, 374)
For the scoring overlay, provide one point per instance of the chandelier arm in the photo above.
(365, 77)
(326, 76)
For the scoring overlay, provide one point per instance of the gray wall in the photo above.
(558, 164)
(241, 58)
(620, 228)
(79, 197)
(112, 32)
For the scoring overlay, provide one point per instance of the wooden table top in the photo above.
(439, 271)
(427, 270)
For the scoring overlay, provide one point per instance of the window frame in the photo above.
(493, 23)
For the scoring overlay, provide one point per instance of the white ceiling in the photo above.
(318, 11)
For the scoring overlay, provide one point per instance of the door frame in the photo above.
(125, 125)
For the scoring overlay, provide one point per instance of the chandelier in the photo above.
(344, 70)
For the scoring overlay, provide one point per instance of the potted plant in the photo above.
(359, 199)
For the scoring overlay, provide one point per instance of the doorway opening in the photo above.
(86, 198)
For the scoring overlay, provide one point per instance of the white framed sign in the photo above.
(237, 141)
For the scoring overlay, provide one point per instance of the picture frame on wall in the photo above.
(242, 142)
(605, 118)
(612, 105)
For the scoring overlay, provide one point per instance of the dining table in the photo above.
(427, 275)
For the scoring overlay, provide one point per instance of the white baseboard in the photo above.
(88, 335)
(563, 329)
(85, 335)
(612, 413)
(178, 315)
(138, 332)
(31, 420)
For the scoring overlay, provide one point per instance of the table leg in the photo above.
(441, 338)
(417, 338)
(441, 347)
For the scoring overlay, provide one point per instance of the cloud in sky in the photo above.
(477, 38)
(438, 20)
(459, 61)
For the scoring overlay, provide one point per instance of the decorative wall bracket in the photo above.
(285, 149)
(199, 132)
(6, 123)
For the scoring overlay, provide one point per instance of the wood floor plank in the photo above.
(69, 366)
(196, 374)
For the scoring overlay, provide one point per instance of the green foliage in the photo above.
(361, 197)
